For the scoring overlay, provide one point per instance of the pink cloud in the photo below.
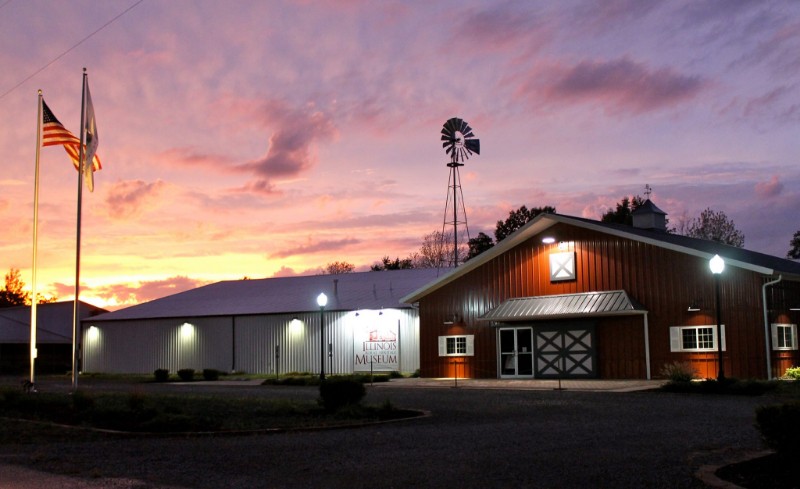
(128, 198)
(315, 247)
(194, 158)
(772, 188)
(620, 85)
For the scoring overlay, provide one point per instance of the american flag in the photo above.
(54, 134)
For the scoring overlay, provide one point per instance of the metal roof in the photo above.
(608, 303)
(768, 265)
(53, 322)
(346, 292)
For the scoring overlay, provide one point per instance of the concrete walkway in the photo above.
(527, 384)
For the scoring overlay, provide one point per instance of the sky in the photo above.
(264, 139)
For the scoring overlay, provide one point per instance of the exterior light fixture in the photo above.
(93, 333)
(548, 240)
(322, 301)
(717, 266)
(693, 307)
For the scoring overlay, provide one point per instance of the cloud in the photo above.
(497, 28)
(193, 158)
(315, 247)
(129, 294)
(128, 198)
(620, 85)
(772, 188)
(291, 145)
(289, 272)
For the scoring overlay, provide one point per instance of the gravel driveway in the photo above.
(473, 438)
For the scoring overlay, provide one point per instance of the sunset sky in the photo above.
(267, 139)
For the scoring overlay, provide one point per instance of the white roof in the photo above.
(346, 292)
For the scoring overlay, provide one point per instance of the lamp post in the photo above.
(717, 265)
(322, 301)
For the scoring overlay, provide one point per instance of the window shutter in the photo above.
(442, 346)
(470, 345)
(722, 328)
(774, 328)
(794, 336)
(674, 338)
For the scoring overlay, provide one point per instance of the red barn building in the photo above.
(567, 297)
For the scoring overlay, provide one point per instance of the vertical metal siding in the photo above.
(664, 281)
(146, 345)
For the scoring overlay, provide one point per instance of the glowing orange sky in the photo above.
(271, 138)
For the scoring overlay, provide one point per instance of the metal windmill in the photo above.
(459, 142)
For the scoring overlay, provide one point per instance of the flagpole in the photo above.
(76, 306)
(34, 293)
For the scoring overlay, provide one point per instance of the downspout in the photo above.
(233, 344)
(647, 346)
(766, 324)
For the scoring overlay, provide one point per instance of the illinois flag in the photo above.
(55, 134)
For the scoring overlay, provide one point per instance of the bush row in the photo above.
(186, 374)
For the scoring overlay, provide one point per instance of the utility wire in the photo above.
(68, 50)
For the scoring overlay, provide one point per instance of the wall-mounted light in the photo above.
(548, 240)
(694, 306)
(93, 333)
(794, 308)
(452, 319)
(187, 330)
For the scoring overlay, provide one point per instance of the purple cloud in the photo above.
(623, 85)
(316, 247)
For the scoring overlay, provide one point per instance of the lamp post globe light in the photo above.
(717, 266)
(322, 301)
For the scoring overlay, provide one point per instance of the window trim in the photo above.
(469, 340)
(676, 338)
(774, 328)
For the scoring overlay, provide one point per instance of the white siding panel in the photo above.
(242, 343)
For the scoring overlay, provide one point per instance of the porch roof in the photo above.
(587, 304)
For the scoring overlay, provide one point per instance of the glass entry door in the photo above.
(516, 352)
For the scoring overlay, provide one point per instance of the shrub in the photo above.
(792, 373)
(186, 374)
(82, 401)
(780, 427)
(679, 371)
(161, 375)
(337, 393)
(210, 374)
(395, 375)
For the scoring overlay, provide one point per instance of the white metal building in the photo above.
(269, 326)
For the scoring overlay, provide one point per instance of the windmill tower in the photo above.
(459, 142)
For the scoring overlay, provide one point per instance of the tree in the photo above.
(435, 252)
(12, 294)
(389, 264)
(623, 214)
(715, 226)
(338, 267)
(479, 244)
(518, 218)
(794, 251)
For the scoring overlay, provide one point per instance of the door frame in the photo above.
(516, 354)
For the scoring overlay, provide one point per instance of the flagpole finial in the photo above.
(84, 69)
(40, 91)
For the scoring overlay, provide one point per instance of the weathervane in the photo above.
(459, 142)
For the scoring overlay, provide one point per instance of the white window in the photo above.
(457, 346)
(784, 337)
(695, 338)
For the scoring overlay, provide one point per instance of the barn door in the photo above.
(565, 351)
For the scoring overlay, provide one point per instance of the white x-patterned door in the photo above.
(565, 351)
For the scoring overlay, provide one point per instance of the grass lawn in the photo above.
(32, 416)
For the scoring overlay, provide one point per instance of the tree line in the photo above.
(437, 246)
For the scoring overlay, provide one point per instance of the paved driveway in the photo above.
(522, 435)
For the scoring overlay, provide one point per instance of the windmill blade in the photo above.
(473, 145)
(463, 128)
